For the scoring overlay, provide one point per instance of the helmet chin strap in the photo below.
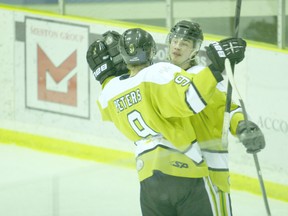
(184, 62)
(188, 60)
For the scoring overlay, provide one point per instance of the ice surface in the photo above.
(35, 183)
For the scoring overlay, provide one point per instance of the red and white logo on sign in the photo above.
(63, 88)
(56, 71)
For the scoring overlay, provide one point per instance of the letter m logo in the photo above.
(57, 84)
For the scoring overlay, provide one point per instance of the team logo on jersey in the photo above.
(179, 164)
(139, 164)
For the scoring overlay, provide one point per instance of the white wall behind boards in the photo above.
(60, 101)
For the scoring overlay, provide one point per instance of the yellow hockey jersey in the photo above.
(208, 126)
(153, 109)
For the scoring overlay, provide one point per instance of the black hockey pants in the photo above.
(165, 195)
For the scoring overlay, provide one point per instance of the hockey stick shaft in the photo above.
(262, 184)
(230, 75)
(237, 18)
(226, 121)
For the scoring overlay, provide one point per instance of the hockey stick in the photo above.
(229, 72)
(226, 121)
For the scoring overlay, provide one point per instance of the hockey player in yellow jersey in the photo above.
(184, 42)
(170, 164)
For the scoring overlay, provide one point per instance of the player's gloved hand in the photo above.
(251, 136)
(104, 59)
(111, 39)
(231, 48)
(100, 61)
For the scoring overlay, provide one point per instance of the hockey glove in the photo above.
(104, 59)
(231, 48)
(251, 136)
(111, 39)
(100, 61)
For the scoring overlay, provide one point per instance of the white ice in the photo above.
(34, 183)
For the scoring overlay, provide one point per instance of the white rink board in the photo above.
(261, 78)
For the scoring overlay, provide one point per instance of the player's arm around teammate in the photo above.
(139, 107)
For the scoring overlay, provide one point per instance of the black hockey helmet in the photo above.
(137, 46)
(187, 30)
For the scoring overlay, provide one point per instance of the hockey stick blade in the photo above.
(226, 120)
(231, 79)
(226, 124)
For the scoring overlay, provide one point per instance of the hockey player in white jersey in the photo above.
(166, 145)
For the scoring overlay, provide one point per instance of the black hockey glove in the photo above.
(104, 59)
(111, 39)
(99, 61)
(231, 48)
(251, 136)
